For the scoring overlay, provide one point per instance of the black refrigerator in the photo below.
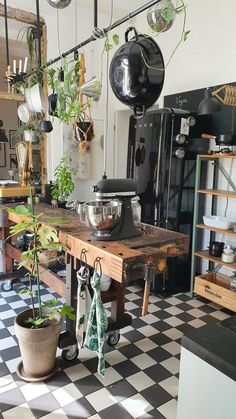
(162, 150)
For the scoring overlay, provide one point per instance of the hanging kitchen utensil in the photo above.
(137, 73)
(92, 88)
(24, 113)
(84, 299)
(24, 161)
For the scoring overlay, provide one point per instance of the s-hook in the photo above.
(97, 266)
(83, 257)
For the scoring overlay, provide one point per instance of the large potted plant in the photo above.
(63, 185)
(38, 328)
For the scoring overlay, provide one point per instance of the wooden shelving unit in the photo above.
(216, 290)
(217, 230)
(217, 192)
(204, 254)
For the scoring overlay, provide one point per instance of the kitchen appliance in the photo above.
(137, 72)
(165, 176)
(111, 214)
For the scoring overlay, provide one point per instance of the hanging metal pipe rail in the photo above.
(104, 32)
(6, 32)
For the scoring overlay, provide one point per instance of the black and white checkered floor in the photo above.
(141, 378)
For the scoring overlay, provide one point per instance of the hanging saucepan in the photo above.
(223, 139)
(137, 73)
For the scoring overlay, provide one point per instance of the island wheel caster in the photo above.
(70, 353)
(6, 286)
(113, 338)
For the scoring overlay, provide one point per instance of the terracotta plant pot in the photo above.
(37, 347)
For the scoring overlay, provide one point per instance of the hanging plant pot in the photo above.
(35, 99)
(84, 131)
(45, 126)
(30, 136)
(52, 104)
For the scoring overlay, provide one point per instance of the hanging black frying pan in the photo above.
(223, 139)
(137, 72)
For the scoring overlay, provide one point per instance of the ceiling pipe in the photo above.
(95, 13)
(6, 32)
(38, 34)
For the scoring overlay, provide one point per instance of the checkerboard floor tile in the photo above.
(142, 371)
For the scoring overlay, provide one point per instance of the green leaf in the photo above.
(185, 35)
(36, 322)
(51, 302)
(67, 311)
(22, 210)
(116, 39)
(167, 13)
(107, 45)
(47, 235)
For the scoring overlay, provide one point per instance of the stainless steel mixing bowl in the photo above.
(103, 215)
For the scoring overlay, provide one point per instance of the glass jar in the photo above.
(136, 208)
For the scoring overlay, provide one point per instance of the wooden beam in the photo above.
(20, 15)
(12, 96)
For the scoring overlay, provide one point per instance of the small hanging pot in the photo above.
(84, 131)
(45, 126)
(137, 73)
(52, 104)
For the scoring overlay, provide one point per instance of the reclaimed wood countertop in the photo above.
(116, 256)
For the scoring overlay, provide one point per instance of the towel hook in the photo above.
(98, 266)
(83, 257)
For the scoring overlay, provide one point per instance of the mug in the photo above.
(216, 248)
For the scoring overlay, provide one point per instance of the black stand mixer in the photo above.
(111, 214)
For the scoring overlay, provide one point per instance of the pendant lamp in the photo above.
(59, 4)
(3, 137)
(209, 104)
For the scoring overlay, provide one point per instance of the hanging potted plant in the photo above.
(38, 328)
(31, 132)
(63, 185)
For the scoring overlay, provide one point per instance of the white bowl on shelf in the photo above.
(218, 222)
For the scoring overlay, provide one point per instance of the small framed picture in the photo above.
(13, 161)
(14, 137)
(2, 155)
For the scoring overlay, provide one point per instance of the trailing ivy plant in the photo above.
(167, 15)
(63, 185)
(45, 238)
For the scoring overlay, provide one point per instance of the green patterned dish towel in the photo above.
(97, 324)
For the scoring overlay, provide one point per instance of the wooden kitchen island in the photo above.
(123, 261)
